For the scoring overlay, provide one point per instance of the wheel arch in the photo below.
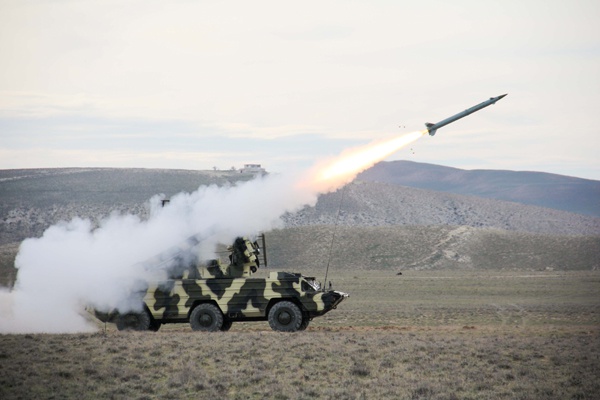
(294, 300)
(198, 302)
(149, 311)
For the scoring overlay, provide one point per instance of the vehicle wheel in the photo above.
(226, 325)
(285, 316)
(134, 321)
(305, 322)
(206, 317)
(155, 326)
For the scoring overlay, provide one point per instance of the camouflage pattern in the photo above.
(229, 293)
(239, 298)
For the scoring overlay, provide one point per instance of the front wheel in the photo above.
(206, 317)
(305, 322)
(285, 316)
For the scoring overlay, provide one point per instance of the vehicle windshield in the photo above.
(313, 284)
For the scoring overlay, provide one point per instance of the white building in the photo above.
(252, 169)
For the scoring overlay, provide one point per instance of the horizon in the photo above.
(237, 169)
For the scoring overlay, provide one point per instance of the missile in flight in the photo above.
(432, 128)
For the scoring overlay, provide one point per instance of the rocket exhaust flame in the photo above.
(341, 170)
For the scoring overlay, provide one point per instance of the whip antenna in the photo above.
(337, 218)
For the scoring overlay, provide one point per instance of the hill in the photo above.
(34, 199)
(534, 188)
(400, 248)
(381, 225)
(379, 204)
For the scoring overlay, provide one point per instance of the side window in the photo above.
(305, 286)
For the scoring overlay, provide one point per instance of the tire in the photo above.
(305, 322)
(226, 325)
(134, 321)
(285, 316)
(206, 317)
(155, 326)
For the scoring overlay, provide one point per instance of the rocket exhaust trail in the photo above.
(77, 262)
(101, 265)
(342, 169)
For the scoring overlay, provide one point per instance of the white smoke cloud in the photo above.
(75, 264)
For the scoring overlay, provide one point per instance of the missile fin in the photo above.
(431, 131)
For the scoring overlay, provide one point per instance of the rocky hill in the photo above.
(379, 224)
(32, 200)
(560, 192)
(379, 204)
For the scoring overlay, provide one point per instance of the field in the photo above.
(420, 335)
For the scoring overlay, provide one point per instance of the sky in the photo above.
(204, 84)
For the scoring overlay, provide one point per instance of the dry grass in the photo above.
(416, 336)
(392, 363)
(408, 248)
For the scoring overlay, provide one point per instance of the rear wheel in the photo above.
(206, 317)
(155, 326)
(134, 321)
(285, 316)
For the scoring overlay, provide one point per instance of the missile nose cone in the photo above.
(495, 99)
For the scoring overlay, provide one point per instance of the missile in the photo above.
(432, 128)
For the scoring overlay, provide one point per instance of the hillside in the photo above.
(109, 187)
(381, 225)
(32, 200)
(560, 192)
(380, 204)
(429, 248)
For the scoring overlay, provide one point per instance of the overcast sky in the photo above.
(199, 84)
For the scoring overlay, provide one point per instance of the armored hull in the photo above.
(213, 296)
(239, 299)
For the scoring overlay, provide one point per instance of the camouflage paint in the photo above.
(231, 288)
(238, 298)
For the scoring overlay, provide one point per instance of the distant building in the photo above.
(252, 169)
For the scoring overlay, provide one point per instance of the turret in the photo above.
(243, 261)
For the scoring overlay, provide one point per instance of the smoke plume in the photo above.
(76, 264)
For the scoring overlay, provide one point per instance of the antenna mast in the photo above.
(337, 218)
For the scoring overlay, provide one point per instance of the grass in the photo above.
(404, 248)
(416, 363)
(422, 335)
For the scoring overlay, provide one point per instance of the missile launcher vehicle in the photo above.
(211, 296)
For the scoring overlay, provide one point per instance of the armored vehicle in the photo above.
(211, 296)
